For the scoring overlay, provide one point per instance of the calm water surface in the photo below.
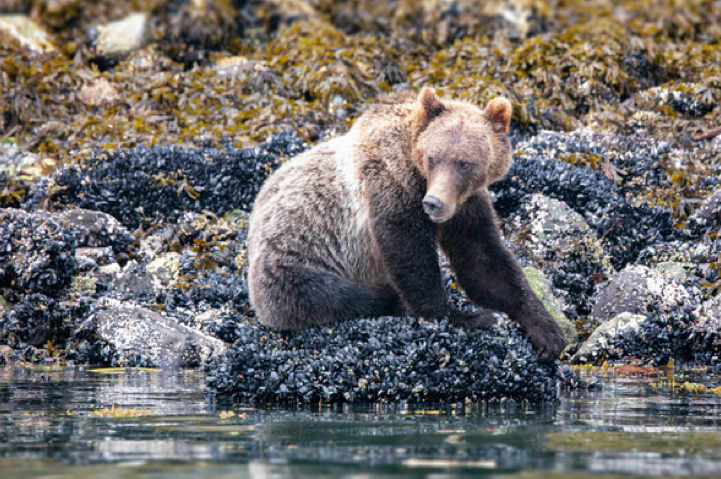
(627, 428)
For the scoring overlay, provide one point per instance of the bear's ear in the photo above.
(431, 106)
(499, 112)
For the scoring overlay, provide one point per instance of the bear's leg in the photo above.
(491, 276)
(294, 298)
(407, 246)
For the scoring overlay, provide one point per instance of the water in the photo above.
(627, 428)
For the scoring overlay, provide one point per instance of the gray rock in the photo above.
(135, 281)
(708, 324)
(161, 341)
(635, 288)
(26, 32)
(710, 208)
(558, 240)
(598, 341)
(89, 259)
(95, 228)
(555, 227)
(540, 285)
(120, 37)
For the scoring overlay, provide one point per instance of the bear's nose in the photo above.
(432, 205)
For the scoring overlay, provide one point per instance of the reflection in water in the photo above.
(627, 428)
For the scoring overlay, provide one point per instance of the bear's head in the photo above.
(459, 149)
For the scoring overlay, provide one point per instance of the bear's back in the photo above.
(311, 213)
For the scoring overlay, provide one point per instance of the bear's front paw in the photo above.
(472, 319)
(548, 339)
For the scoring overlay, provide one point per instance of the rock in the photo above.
(96, 229)
(556, 228)
(707, 327)
(710, 208)
(559, 240)
(674, 270)
(135, 281)
(122, 36)
(90, 258)
(680, 251)
(144, 337)
(388, 360)
(26, 32)
(598, 341)
(638, 289)
(165, 268)
(99, 93)
(84, 284)
(36, 253)
(540, 285)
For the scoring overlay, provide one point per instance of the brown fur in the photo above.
(340, 231)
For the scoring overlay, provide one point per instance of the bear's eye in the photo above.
(463, 165)
(430, 161)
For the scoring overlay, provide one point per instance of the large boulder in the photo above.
(557, 239)
(383, 360)
(601, 340)
(638, 290)
(142, 337)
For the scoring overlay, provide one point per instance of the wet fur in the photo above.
(339, 232)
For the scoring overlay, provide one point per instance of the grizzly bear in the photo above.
(352, 227)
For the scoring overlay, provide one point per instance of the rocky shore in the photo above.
(129, 164)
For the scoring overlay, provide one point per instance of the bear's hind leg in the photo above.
(294, 298)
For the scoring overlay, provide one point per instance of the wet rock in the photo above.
(707, 326)
(387, 360)
(102, 92)
(96, 229)
(122, 36)
(26, 32)
(36, 253)
(135, 281)
(142, 337)
(233, 66)
(89, 259)
(638, 290)
(37, 319)
(678, 251)
(607, 199)
(592, 350)
(165, 268)
(555, 237)
(540, 285)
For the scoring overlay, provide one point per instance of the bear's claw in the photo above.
(548, 340)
